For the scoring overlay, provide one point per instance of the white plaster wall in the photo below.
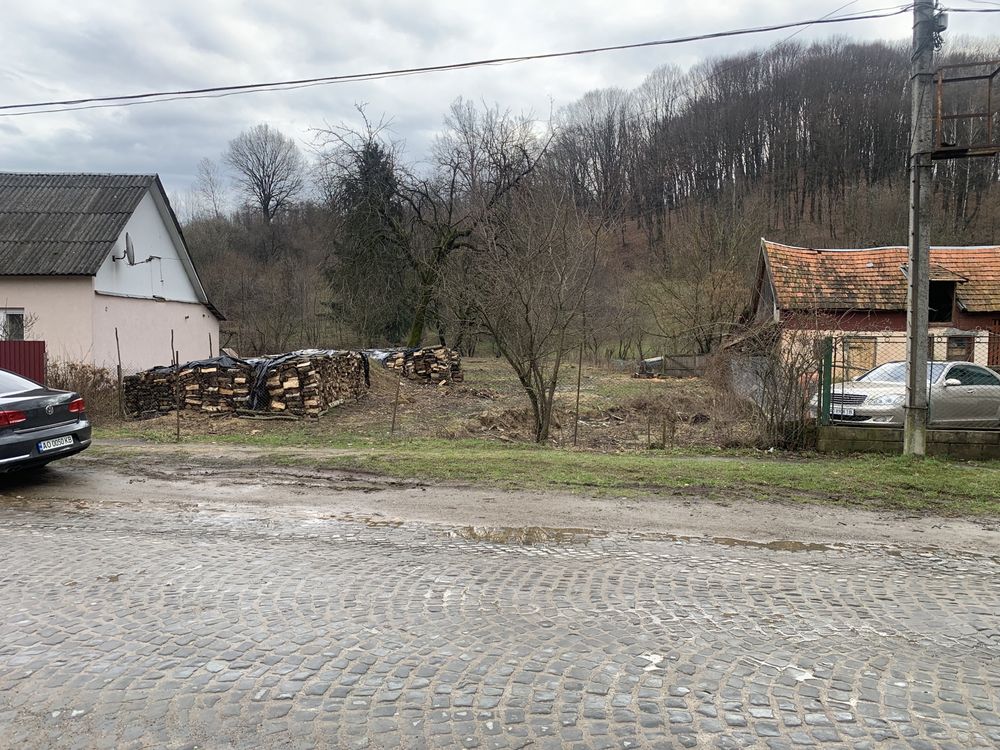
(144, 331)
(164, 276)
(62, 311)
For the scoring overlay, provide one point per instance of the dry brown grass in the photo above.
(617, 413)
(98, 386)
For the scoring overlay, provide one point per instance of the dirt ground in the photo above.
(235, 479)
(617, 412)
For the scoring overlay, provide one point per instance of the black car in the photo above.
(38, 424)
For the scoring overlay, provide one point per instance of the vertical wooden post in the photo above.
(121, 392)
(177, 392)
(395, 406)
(579, 375)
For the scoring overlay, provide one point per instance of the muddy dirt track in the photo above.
(238, 479)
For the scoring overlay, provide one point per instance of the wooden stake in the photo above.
(121, 392)
(177, 393)
(579, 375)
(395, 406)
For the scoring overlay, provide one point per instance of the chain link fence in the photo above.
(866, 379)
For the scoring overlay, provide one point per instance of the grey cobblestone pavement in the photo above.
(131, 628)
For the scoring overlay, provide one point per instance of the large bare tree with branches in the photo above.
(269, 168)
(482, 155)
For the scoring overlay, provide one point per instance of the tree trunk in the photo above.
(420, 314)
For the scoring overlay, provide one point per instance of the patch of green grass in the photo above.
(878, 482)
(887, 482)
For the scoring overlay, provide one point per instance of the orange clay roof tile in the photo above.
(875, 278)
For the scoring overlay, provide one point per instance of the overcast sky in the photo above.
(72, 48)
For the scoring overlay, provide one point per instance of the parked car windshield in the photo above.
(11, 383)
(895, 372)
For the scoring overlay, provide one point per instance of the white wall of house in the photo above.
(77, 316)
(148, 300)
(159, 269)
(57, 310)
(144, 328)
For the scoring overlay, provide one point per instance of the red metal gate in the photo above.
(26, 358)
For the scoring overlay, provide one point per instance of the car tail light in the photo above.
(76, 406)
(7, 418)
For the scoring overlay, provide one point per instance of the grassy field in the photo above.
(476, 433)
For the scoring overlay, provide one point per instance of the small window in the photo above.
(941, 301)
(973, 375)
(960, 349)
(12, 325)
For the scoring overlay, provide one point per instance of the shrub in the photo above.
(97, 385)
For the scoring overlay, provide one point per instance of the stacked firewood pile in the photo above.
(150, 392)
(214, 385)
(303, 383)
(309, 382)
(436, 364)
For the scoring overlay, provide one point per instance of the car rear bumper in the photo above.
(20, 450)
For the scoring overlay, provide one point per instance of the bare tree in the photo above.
(480, 158)
(536, 263)
(697, 278)
(270, 170)
(209, 187)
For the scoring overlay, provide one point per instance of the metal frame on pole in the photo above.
(921, 148)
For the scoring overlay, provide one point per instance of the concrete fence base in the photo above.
(968, 444)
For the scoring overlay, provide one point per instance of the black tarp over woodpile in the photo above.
(304, 383)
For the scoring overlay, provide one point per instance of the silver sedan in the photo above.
(962, 395)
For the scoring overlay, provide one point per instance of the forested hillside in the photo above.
(635, 214)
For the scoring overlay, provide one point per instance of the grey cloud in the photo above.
(93, 47)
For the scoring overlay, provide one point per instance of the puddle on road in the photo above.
(525, 535)
(780, 545)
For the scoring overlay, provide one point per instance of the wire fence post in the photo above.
(395, 406)
(121, 387)
(579, 376)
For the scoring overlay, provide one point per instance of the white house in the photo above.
(82, 255)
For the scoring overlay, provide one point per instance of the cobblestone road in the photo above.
(133, 628)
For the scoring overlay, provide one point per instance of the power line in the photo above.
(219, 91)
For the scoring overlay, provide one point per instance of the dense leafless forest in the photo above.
(631, 218)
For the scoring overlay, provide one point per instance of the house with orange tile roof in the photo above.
(859, 295)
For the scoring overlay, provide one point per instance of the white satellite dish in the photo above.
(129, 250)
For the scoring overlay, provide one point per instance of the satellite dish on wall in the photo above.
(129, 250)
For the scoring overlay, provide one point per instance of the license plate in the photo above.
(842, 411)
(59, 442)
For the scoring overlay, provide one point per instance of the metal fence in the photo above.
(864, 380)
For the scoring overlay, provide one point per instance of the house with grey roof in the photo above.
(96, 263)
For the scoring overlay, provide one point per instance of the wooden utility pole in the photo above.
(921, 146)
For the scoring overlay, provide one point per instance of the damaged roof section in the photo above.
(875, 278)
